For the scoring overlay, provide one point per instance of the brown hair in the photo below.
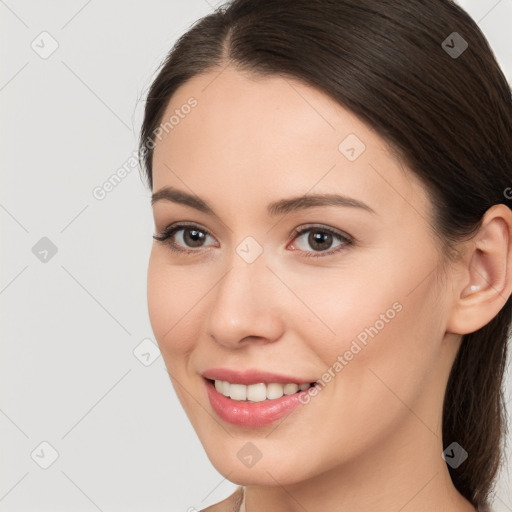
(448, 117)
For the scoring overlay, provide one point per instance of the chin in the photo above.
(273, 470)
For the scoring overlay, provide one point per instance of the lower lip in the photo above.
(252, 414)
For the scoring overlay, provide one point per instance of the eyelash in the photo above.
(168, 232)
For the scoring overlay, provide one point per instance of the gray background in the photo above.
(73, 371)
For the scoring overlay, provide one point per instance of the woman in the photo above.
(365, 374)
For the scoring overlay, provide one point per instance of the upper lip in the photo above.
(248, 377)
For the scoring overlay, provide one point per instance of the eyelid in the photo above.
(320, 227)
(347, 239)
(169, 231)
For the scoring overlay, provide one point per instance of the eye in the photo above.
(192, 236)
(321, 238)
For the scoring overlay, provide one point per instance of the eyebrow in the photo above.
(282, 206)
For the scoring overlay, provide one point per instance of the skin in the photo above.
(371, 439)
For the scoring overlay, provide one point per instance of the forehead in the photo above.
(274, 136)
(274, 112)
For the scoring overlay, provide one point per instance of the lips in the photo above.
(248, 414)
(248, 377)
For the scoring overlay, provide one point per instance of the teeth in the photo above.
(257, 392)
(274, 391)
(289, 389)
(237, 391)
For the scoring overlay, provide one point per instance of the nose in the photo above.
(245, 305)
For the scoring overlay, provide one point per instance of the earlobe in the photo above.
(485, 281)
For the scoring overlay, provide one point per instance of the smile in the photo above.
(258, 410)
(259, 392)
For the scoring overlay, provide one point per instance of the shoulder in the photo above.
(230, 504)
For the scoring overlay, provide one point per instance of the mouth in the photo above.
(254, 405)
(259, 392)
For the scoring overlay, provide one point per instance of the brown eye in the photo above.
(190, 238)
(193, 237)
(320, 239)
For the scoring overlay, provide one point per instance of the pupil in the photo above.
(195, 236)
(317, 238)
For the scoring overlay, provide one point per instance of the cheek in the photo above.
(169, 301)
(159, 298)
(376, 371)
(171, 314)
(348, 310)
(386, 334)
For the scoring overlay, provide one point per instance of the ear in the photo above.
(484, 283)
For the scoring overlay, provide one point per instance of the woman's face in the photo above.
(363, 306)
